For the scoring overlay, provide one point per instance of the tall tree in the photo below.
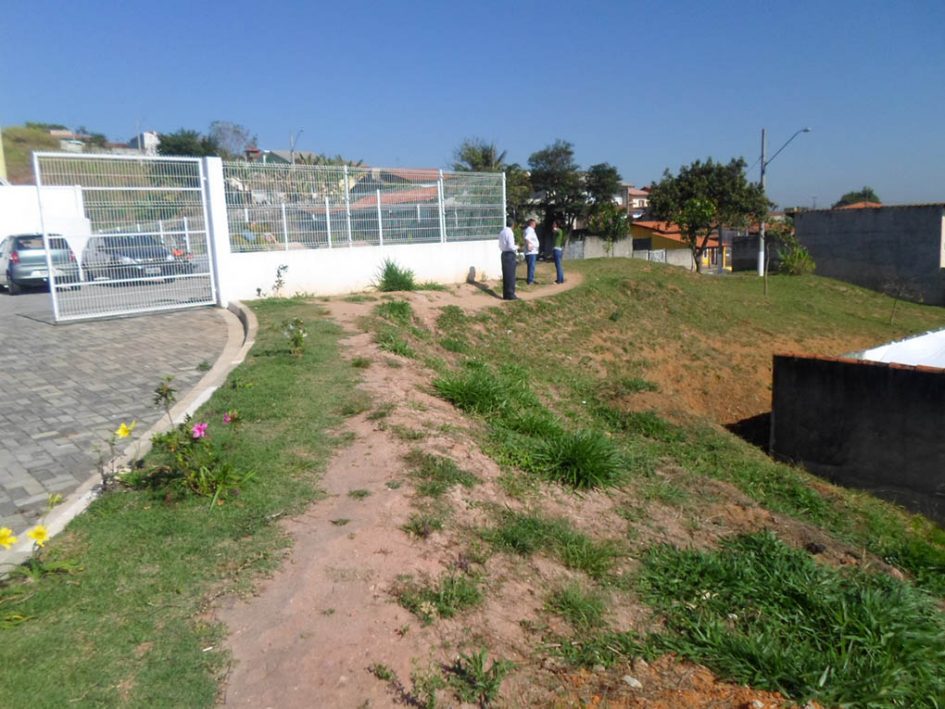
(867, 194)
(476, 155)
(611, 222)
(705, 196)
(556, 176)
(602, 183)
(518, 191)
(188, 143)
(231, 139)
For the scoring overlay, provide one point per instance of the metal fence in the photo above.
(143, 245)
(316, 206)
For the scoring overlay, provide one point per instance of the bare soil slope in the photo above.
(314, 630)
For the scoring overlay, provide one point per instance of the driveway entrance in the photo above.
(66, 388)
(143, 245)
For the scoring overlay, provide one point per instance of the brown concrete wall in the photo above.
(878, 427)
(886, 248)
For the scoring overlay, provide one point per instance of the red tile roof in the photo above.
(668, 230)
(861, 205)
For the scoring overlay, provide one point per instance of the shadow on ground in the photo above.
(756, 430)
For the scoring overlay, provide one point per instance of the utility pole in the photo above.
(292, 142)
(761, 230)
(765, 161)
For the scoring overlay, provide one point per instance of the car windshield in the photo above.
(136, 241)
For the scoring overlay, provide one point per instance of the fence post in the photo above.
(380, 224)
(187, 236)
(285, 228)
(505, 208)
(348, 207)
(328, 221)
(439, 212)
(161, 230)
(217, 228)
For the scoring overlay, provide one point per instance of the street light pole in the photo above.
(761, 230)
(292, 142)
(764, 167)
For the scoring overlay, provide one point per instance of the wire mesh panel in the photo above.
(282, 206)
(143, 242)
(473, 205)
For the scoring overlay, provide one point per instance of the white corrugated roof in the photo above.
(926, 350)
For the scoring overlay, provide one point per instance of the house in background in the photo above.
(145, 143)
(893, 249)
(656, 236)
(634, 200)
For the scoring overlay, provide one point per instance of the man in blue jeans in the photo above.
(508, 248)
(557, 233)
(531, 250)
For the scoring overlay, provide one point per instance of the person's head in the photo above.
(532, 222)
(554, 224)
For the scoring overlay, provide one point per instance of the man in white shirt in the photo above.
(508, 248)
(531, 250)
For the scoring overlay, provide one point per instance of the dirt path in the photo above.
(310, 634)
(313, 631)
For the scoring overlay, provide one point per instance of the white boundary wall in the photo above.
(344, 270)
(324, 271)
(19, 210)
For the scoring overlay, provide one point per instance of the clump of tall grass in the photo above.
(392, 277)
(581, 459)
(757, 611)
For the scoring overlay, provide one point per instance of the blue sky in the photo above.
(642, 85)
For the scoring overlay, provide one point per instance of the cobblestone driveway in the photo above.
(65, 388)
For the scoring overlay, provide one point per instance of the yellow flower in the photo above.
(38, 534)
(125, 430)
(7, 539)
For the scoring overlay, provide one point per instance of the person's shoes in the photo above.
(559, 282)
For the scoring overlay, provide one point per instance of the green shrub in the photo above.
(475, 390)
(582, 459)
(394, 278)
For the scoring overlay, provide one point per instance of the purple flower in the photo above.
(227, 418)
(199, 430)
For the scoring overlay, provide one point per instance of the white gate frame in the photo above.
(203, 188)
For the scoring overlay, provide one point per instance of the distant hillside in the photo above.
(18, 145)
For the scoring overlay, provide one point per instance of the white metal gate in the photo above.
(142, 244)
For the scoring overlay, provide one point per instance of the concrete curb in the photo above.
(241, 335)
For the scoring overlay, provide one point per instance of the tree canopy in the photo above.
(518, 191)
(610, 221)
(867, 194)
(705, 196)
(189, 143)
(476, 155)
(556, 176)
(602, 182)
(231, 139)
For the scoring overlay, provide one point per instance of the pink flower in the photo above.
(231, 416)
(199, 430)
(227, 418)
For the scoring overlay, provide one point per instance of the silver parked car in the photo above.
(23, 262)
(130, 256)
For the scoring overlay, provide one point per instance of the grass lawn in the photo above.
(606, 395)
(125, 625)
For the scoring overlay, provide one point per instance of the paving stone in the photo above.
(67, 387)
